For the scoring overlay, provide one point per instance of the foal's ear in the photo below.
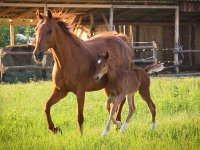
(98, 55)
(49, 14)
(39, 15)
(106, 56)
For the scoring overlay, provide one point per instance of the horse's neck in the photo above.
(113, 74)
(66, 50)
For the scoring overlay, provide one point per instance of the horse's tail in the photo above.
(154, 68)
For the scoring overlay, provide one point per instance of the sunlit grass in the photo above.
(23, 124)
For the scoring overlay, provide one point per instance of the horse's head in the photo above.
(101, 66)
(45, 34)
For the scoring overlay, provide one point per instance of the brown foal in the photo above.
(124, 83)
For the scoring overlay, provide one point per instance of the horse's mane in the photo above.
(66, 26)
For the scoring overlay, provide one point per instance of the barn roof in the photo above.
(25, 9)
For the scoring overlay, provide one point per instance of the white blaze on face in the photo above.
(99, 61)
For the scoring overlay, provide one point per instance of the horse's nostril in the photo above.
(40, 54)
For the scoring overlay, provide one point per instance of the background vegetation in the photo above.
(27, 31)
(23, 124)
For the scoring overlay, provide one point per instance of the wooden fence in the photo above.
(151, 45)
(3, 69)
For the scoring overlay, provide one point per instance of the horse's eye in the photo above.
(49, 32)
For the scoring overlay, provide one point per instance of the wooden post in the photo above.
(91, 25)
(45, 9)
(190, 43)
(105, 20)
(1, 65)
(78, 25)
(12, 35)
(137, 34)
(111, 19)
(44, 71)
(131, 34)
(193, 44)
(124, 29)
(155, 59)
(176, 39)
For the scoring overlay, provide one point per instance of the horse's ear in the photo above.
(49, 14)
(98, 55)
(107, 55)
(39, 15)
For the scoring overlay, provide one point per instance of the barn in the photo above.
(173, 25)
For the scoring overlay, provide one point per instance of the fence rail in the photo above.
(187, 51)
(3, 69)
(2, 53)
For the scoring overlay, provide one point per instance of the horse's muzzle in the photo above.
(38, 56)
(97, 77)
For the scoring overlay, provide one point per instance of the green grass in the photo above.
(23, 124)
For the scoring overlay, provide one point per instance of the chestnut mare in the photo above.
(75, 60)
(124, 83)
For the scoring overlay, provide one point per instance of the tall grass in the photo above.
(23, 124)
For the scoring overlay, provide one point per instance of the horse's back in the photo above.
(140, 73)
(120, 51)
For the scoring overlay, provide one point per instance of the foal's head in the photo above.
(44, 34)
(101, 66)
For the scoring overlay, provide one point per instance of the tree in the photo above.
(27, 31)
(4, 35)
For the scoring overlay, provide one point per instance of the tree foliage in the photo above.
(27, 31)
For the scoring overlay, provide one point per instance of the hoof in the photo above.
(81, 129)
(153, 126)
(57, 130)
(105, 132)
(118, 125)
(124, 127)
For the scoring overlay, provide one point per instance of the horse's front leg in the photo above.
(109, 101)
(55, 97)
(119, 110)
(80, 100)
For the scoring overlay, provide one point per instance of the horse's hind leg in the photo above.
(145, 93)
(131, 106)
(55, 97)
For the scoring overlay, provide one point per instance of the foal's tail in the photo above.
(154, 68)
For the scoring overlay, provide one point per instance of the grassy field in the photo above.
(23, 124)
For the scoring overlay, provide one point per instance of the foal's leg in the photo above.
(80, 101)
(111, 118)
(112, 112)
(109, 101)
(55, 97)
(131, 107)
(119, 111)
(145, 93)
